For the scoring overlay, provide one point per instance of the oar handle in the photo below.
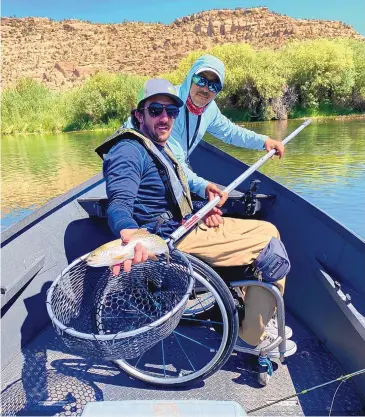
(183, 229)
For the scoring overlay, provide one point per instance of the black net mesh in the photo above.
(94, 302)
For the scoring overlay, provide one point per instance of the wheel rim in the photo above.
(192, 349)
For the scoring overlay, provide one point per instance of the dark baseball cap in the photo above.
(161, 87)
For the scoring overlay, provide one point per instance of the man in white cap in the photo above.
(201, 114)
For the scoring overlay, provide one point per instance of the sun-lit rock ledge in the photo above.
(63, 54)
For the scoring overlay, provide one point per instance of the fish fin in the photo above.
(140, 233)
(167, 256)
(109, 245)
(152, 256)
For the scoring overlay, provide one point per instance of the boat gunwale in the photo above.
(47, 209)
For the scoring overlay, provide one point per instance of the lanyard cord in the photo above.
(188, 143)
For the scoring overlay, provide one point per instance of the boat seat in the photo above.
(94, 206)
(9, 292)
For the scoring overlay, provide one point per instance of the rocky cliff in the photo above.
(62, 54)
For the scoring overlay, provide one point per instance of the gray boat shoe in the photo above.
(242, 346)
(272, 328)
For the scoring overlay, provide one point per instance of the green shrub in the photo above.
(104, 98)
(358, 93)
(311, 77)
(322, 70)
(30, 107)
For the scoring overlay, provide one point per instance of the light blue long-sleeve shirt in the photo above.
(212, 121)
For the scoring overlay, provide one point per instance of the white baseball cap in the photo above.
(210, 70)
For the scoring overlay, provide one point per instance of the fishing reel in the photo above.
(248, 204)
(254, 202)
(251, 203)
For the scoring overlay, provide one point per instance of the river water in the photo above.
(325, 164)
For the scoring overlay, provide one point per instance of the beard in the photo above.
(153, 135)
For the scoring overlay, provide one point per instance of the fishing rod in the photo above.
(189, 224)
(305, 391)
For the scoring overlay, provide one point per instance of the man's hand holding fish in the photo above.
(134, 247)
(140, 252)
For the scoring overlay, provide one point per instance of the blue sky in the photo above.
(351, 12)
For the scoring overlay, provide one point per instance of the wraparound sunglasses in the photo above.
(213, 86)
(156, 109)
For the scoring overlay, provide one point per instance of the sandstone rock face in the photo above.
(63, 54)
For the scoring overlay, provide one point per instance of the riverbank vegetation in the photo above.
(307, 78)
(102, 102)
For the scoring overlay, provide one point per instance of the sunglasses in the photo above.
(156, 109)
(213, 86)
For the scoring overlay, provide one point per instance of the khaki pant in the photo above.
(238, 242)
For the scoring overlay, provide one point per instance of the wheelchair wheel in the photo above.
(201, 300)
(195, 349)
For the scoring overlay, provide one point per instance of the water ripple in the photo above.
(325, 164)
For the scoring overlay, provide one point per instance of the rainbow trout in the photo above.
(115, 252)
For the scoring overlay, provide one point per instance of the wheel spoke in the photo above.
(138, 310)
(163, 358)
(193, 340)
(201, 321)
(139, 360)
(200, 301)
(186, 356)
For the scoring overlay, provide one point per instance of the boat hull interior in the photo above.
(40, 376)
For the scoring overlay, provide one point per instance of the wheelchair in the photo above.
(207, 333)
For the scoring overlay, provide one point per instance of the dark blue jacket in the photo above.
(136, 193)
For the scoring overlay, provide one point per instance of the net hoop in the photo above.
(120, 335)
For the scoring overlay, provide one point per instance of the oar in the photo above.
(183, 229)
